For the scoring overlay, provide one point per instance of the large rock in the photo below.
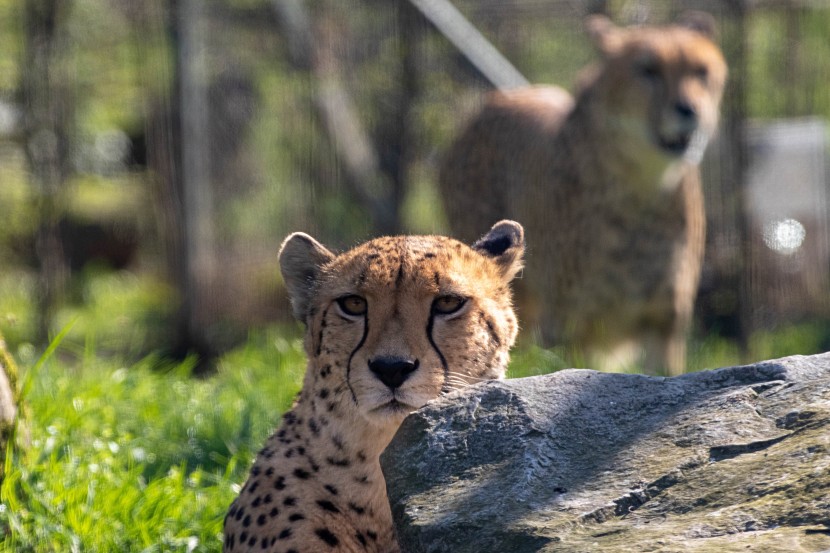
(734, 459)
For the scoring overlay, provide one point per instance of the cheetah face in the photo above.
(397, 321)
(663, 85)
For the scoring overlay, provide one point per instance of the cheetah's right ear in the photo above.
(301, 258)
(504, 244)
(605, 36)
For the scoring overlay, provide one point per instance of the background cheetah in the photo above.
(608, 187)
(390, 325)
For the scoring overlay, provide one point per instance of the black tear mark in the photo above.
(444, 386)
(325, 535)
(351, 355)
(320, 334)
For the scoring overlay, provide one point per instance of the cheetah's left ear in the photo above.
(700, 22)
(301, 258)
(504, 244)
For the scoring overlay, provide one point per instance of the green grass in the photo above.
(142, 456)
(145, 457)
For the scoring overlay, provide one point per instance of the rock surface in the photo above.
(733, 459)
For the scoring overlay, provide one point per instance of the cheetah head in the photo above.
(394, 322)
(662, 85)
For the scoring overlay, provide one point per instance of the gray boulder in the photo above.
(733, 459)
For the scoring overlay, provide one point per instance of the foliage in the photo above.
(142, 458)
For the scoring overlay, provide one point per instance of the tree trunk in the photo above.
(47, 116)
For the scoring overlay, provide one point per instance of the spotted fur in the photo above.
(608, 187)
(438, 316)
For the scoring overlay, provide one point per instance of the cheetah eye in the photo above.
(649, 70)
(446, 305)
(701, 72)
(354, 306)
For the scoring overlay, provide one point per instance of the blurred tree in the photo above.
(47, 112)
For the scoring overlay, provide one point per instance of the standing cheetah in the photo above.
(608, 187)
(390, 325)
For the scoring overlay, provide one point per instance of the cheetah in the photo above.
(390, 325)
(608, 187)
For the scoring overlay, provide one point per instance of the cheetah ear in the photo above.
(504, 244)
(301, 258)
(700, 22)
(606, 37)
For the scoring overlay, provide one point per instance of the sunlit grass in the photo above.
(142, 457)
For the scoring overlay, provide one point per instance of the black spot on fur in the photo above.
(295, 517)
(324, 393)
(257, 502)
(261, 520)
(372, 535)
(328, 506)
(269, 471)
(252, 488)
(330, 406)
(314, 427)
(264, 543)
(361, 456)
(338, 442)
(267, 499)
(255, 471)
(325, 535)
(289, 501)
(356, 508)
(360, 538)
(279, 483)
(285, 534)
(362, 480)
(301, 474)
(274, 512)
(338, 462)
(331, 489)
(243, 537)
(252, 541)
(239, 514)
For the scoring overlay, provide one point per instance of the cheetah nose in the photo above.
(392, 371)
(685, 110)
